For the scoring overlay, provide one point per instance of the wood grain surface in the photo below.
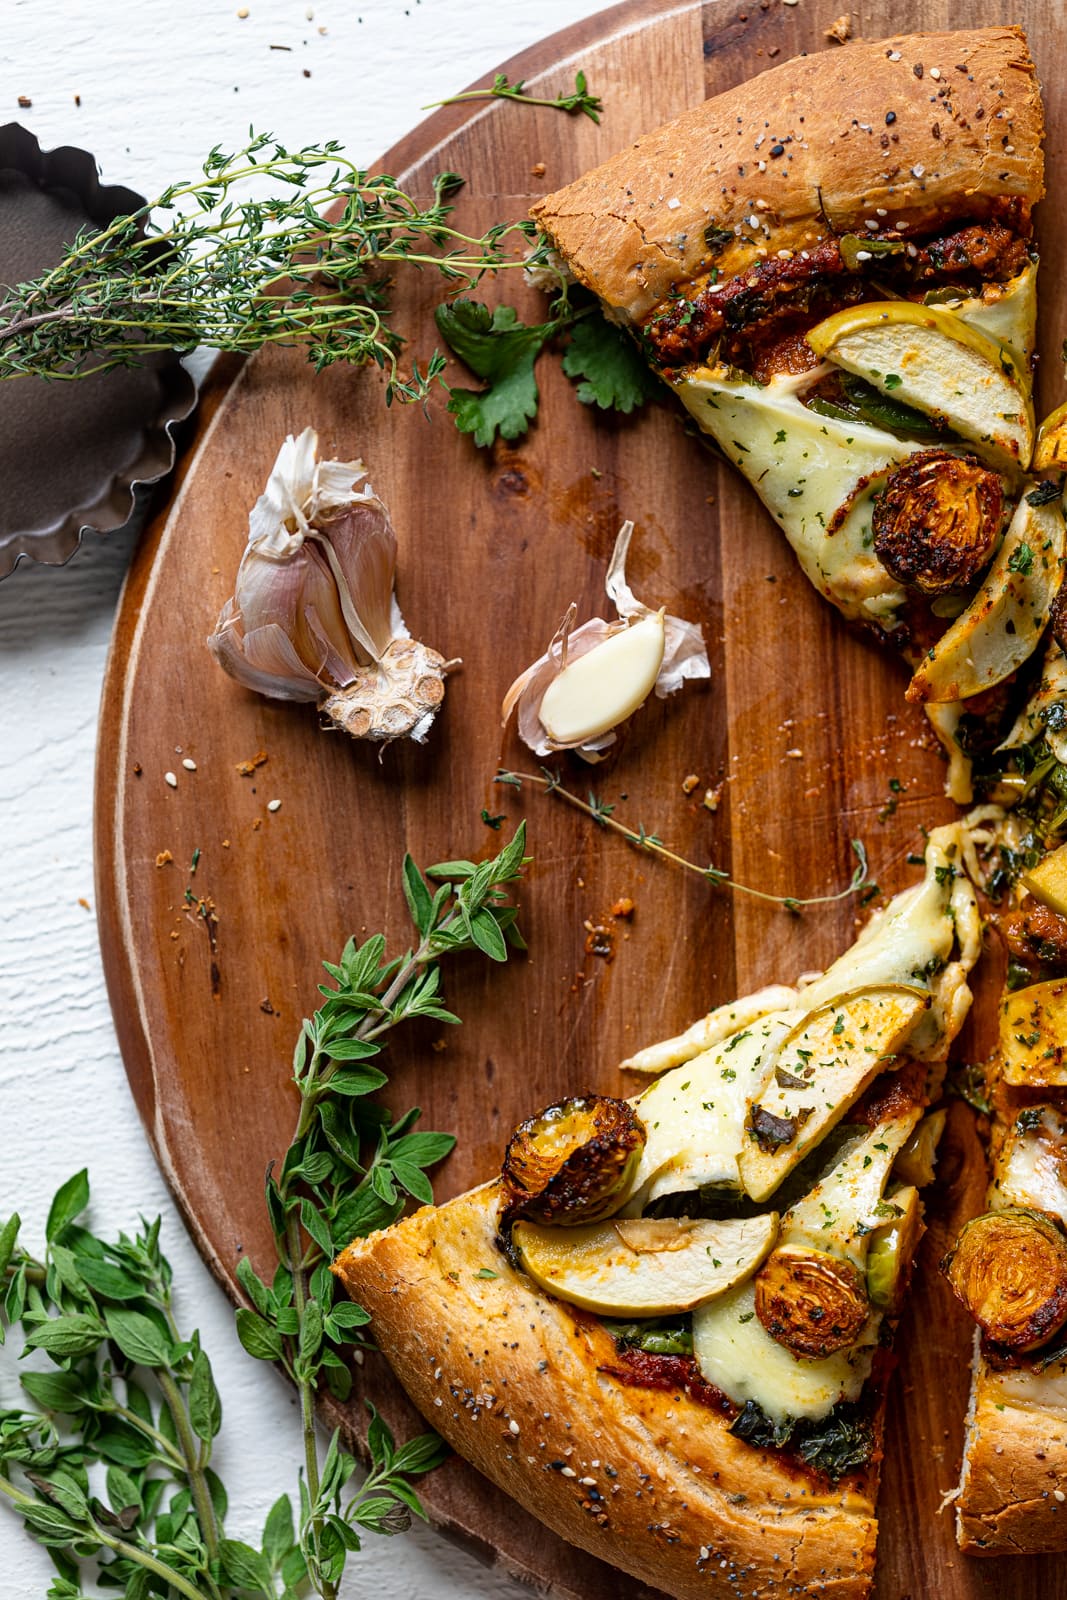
(803, 723)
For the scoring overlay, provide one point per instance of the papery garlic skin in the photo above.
(592, 678)
(314, 615)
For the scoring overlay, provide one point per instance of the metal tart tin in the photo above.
(72, 453)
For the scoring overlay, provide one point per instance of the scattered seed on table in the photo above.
(274, 805)
(189, 764)
(168, 777)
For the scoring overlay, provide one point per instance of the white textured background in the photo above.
(161, 82)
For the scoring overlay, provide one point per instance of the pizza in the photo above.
(1009, 1265)
(665, 1327)
(833, 266)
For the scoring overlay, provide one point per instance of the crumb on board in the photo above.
(164, 858)
(689, 783)
(246, 768)
(537, 170)
(840, 29)
(623, 907)
(225, 844)
(83, 902)
(713, 797)
(438, 1045)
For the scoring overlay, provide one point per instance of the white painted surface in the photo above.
(161, 82)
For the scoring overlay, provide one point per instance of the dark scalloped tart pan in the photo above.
(72, 453)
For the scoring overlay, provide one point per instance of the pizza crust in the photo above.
(633, 229)
(650, 1480)
(1013, 1493)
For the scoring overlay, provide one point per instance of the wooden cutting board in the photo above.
(803, 724)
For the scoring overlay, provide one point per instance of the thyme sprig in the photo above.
(580, 101)
(111, 1468)
(214, 262)
(349, 1171)
(598, 810)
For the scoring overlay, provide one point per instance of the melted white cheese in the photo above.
(737, 1355)
(694, 1116)
(1030, 1169)
(807, 468)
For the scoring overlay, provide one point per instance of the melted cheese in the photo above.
(806, 469)
(737, 1355)
(694, 1116)
(1030, 1169)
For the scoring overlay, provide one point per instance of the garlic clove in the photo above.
(601, 689)
(360, 545)
(263, 660)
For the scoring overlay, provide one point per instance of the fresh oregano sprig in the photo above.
(215, 261)
(111, 1468)
(600, 812)
(348, 1171)
(580, 101)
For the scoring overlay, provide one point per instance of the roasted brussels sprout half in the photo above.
(811, 1302)
(574, 1162)
(1009, 1268)
(937, 521)
(892, 1252)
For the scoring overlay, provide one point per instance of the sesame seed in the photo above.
(871, 222)
(753, 221)
(918, 170)
(863, 255)
(1058, 1494)
(587, 1483)
(567, 1472)
(890, 118)
(513, 1426)
(274, 805)
(935, 73)
(673, 203)
(168, 777)
(189, 764)
(894, 55)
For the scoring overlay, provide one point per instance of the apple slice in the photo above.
(646, 1267)
(816, 1073)
(1001, 627)
(1051, 449)
(1033, 1035)
(1048, 880)
(940, 364)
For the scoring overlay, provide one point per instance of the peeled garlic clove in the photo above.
(595, 693)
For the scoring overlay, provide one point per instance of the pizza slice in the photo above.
(1009, 1265)
(833, 266)
(664, 1328)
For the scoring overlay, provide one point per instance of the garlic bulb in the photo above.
(590, 679)
(313, 614)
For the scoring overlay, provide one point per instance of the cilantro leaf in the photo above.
(502, 350)
(613, 371)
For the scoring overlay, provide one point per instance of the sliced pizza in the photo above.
(833, 266)
(1009, 1265)
(664, 1328)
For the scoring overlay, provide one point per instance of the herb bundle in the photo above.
(211, 262)
(112, 1466)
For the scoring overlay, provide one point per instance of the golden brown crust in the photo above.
(649, 1480)
(1013, 1498)
(834, 138)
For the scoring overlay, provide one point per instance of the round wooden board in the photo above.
(803, 719)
